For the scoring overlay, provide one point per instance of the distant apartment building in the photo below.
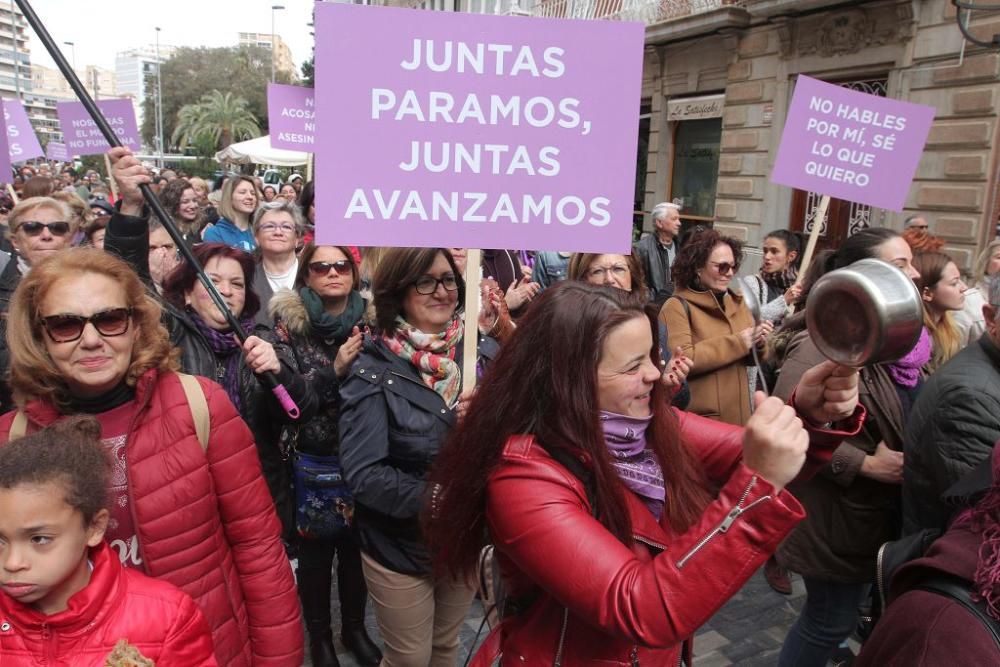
(283, 61)
(133, 67)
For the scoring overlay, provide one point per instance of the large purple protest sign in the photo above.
(291, 117)
(6, 170)
(81, 134)
(466, 130)
(55, 150)
(21, 137)
(851, 145)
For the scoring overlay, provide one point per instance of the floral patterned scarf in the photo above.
(433, 355)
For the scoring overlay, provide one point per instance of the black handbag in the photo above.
(324, 507)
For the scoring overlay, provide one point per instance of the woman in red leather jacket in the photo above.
(597, 495)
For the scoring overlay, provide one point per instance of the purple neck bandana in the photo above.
(906, 371)
(625, 438)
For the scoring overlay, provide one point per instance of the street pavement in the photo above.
(748, 631)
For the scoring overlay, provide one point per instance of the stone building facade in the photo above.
(717, 85)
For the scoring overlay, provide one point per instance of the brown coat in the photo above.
(710, 338)
(847, 516)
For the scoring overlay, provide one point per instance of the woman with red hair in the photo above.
(599, 496)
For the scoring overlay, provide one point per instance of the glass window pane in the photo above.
(696, 165)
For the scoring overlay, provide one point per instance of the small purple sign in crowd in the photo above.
(82, 135)
(21, 136)
(291, 117)
(477, 131)
(850, 145)
(55, 150)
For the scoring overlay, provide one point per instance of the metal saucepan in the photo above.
(867, 313)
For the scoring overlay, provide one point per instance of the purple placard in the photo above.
(81, 135)
(6, 170)
(291, 117)
(517, 133)
(851, 145)
(55, 150)
(20, 135)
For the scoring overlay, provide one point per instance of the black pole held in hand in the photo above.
(270, 379)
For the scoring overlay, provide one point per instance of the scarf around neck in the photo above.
(433, 355)
(332, 328)
(636, 465)
(227, 350)
(780, 280)
(906, 371)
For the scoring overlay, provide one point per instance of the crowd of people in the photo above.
(614, 478)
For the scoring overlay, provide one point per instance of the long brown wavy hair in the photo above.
(544, 382)
(33, 376)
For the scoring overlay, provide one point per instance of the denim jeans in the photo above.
(828, 618)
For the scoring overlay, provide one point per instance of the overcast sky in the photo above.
(101, 28)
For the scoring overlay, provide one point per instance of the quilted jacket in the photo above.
(205, 521)
(161, 622)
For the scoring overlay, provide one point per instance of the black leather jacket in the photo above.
(392, 426)
(128, 237)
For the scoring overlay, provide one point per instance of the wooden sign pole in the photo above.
(309, 168)
(13, 194)
(824, 203)
(473, 278)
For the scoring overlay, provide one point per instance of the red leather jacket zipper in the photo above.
(724, 525)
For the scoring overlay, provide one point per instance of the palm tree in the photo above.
(219, 117)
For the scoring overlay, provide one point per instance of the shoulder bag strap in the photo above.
(960, 593)
(196, 401)
(687, 307)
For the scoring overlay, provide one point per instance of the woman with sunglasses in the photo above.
(86, 338)
(713, 327)
(321, 320)
(397, 405)
(38, 227)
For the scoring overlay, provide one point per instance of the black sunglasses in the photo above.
(68, 328)
(34, 228)
(341, 266)
(428, 285)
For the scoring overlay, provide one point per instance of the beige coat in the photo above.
(708, 332)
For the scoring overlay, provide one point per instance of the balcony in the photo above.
(647, 11)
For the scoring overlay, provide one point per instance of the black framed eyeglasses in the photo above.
(34, 228)
(341, 266)
(428, 285)
(68, 328)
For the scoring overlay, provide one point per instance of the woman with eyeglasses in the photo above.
(321, 321)
(86, 338)
(624, 272)
(397, 405)
(38, 227)
(278, 227)
(713, 327)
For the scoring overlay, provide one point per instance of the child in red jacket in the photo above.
(65, 599)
